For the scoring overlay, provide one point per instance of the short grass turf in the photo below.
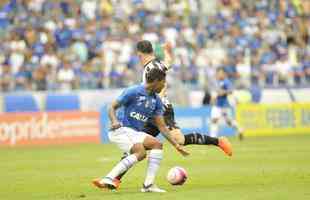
(266, 168)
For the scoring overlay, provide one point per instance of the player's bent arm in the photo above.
(224, 92)
(168, 55)
(112, 115)
(161, 125)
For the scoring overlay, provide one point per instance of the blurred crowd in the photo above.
(90, 44)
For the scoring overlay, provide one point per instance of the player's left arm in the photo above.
(223, 92)
(161, 125)
(167, 47)
(226, 90)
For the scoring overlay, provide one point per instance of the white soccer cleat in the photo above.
(152, 188)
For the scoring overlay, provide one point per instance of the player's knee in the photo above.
(139, 151)
(229, 122)
(141, 155)
(157, 145)
(214, 120)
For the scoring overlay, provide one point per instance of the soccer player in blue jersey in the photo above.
(149, 61)
(140, 103)
(221, 107)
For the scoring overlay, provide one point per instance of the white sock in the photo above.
(122, 166)
(155, 157)
(214, 129)
(235, 125)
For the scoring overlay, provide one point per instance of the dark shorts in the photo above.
(151, 129)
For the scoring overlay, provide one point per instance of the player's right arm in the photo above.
(123, 99)
(115, 124)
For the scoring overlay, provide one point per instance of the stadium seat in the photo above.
(62, 102)
(20, 103)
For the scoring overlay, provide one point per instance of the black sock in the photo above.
(197, 138)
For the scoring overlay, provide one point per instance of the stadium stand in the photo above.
(89, 44)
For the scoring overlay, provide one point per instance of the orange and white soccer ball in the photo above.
(177, 176)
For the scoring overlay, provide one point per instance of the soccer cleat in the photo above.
(225, 145)
(152, 188)
(117, 183)
(106, 183)
(240, 136)
(97, 183)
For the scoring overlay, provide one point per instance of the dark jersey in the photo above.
(151, 129)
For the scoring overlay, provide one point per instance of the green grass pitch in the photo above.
(262, 168)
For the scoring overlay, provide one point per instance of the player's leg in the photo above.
(149, 129)
(233, 123)
(138, 153)
(215, 116)
(119, 177)
(193, 138)
(128, 140)
(154, 159)
(196, 138)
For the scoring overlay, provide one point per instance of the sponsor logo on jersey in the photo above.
(138, 116)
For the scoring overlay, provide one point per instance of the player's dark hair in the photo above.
(145, 46)
(155, 74)
(220, 69)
